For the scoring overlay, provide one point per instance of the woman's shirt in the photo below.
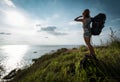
(86, 25)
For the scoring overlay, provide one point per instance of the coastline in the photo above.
(34, 50)
(64, 64)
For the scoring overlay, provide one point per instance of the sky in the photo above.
(51, 22)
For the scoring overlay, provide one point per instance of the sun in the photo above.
(15, 18)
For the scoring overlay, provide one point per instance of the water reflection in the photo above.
(13, 56)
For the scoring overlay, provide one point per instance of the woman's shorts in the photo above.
(87, 34)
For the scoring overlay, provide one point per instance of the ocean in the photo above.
(20, 56)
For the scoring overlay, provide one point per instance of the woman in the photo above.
(86, 20)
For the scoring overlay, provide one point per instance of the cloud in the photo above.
(5, 7)
(72, 23)
(49, 28)
(52, 30)
(13, 17)
(56, 16)
(115, 20)
(9, 3)
(4, 33)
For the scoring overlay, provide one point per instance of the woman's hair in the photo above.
(86, 13)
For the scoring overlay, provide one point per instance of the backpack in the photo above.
(98, 23)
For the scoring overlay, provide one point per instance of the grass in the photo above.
(64, 66)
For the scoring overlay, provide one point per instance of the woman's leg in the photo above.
(87, 41)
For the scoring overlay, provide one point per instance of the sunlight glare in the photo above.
(14, 55)
(15, 18)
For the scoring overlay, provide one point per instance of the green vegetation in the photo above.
(64, 66)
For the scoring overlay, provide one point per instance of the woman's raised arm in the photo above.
(78, 19)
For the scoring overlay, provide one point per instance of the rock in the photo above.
(34, 60)
(11, 74)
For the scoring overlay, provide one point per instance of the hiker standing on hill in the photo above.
(86, 20)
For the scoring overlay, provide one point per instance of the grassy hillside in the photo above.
(64, 66)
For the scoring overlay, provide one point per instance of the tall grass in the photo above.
(114, 39)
